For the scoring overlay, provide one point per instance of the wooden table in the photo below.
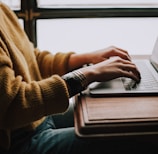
(116, 117)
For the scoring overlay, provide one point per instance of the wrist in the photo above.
(78, 60)
(89, 73)
(76, 82)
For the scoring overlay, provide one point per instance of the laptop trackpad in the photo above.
(115, 85)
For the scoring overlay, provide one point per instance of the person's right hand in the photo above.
(109, 69)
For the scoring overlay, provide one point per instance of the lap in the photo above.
(54, 137)
(49, 140)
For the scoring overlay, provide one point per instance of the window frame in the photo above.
(30, 13)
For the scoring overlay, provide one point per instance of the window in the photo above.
(85, 25)
(96, 3)
(14, 4)
(137, 35)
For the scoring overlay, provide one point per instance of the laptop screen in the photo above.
(154, 56)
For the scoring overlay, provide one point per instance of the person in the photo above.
(36, 86)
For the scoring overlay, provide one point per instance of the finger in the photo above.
(132, 71)
(122, 50)
(121, 53)
(131, 75)
(132, 68)
(127, 66)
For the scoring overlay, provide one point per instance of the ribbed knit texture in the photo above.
(30, 83)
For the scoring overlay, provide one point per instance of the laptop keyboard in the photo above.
(148, 82)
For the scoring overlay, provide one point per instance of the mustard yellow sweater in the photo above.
(30, 83)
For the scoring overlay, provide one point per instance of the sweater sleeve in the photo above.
(24, 102)
(52, 64)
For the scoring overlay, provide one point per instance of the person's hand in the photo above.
(104, 54)
(109, 69)
(78, 60)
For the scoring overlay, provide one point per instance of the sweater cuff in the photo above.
(76, 82)
(55, 95)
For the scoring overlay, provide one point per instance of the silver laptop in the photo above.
(127, 87)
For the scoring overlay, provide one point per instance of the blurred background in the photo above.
(87, 25)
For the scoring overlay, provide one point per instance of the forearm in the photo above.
(78, 60)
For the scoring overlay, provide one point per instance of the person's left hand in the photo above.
(104, 54)
(78, 60)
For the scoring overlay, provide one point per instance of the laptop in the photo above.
(127, 87)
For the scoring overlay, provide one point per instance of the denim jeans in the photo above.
(56, 135)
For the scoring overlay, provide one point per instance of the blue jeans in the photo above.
(56, 135)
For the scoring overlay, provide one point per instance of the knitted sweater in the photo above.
(30, 83)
